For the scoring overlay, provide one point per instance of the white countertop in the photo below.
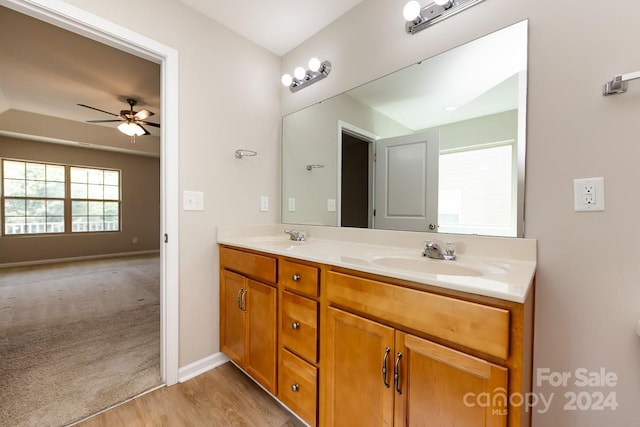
(490, 266)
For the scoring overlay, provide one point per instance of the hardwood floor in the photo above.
(221, 397)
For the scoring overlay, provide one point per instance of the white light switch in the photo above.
(264, 203)
(588, 194)
(292, 204)
(331, 205)
(193, 201)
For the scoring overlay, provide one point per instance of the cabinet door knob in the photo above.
(295, 277)
(295, 326)
(295, 388)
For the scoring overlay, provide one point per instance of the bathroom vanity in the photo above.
(355, 327)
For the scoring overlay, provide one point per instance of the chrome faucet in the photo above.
(297, 235)
(433, 250)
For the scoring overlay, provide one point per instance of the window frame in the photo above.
(67, 200)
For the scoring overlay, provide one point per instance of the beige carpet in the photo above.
(76, 338)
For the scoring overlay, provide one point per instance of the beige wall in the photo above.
(229, 91)
(140, 205)
(588, 297)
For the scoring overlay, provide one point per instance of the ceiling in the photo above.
(46, 71)
(289, 23)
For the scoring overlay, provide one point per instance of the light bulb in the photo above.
(299, 73)
(286, 79)
(314, 64)
(443, 3)
(411, 10)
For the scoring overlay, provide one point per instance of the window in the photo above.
(476, 191)
(39, 198)
(95, 195)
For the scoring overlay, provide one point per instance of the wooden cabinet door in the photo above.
(442, 387)
(261, 312)
(356, 391)
(232, 336)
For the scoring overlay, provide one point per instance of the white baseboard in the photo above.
(78, 258)
(201, 366)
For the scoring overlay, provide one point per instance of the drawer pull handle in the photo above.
(295, 388)
(295, 326)
(295, 277)
(384, 367)
(396, 374)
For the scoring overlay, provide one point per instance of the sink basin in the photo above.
(280, 242)
(428, 266)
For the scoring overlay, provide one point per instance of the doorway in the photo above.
(356, 165)
(88, 25)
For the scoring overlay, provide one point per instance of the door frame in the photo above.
(96, 28)
(365, 136)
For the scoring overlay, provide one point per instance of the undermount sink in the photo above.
(428, 266)
(281, 242)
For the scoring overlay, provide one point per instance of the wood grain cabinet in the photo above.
(395, 355)
(379, 376)
(341, 347)
(298, 365)
(248, 314)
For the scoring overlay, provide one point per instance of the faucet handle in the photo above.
(449, 251)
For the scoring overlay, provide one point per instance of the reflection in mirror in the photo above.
(436, 146)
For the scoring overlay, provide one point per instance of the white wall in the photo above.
(224, 105)
(588, 291)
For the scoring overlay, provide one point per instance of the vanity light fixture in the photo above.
(619, 83)
(302, 78)
(418, 18)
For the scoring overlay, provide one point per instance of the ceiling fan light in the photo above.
(130, 129)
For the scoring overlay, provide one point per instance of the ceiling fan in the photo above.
(132, 121)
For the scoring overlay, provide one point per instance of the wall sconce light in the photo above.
(303, 78)
(418, 18)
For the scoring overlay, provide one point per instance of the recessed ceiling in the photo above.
(46, 71)
(276, 25)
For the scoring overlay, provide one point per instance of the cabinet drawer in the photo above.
(298, 386)
(300, 325)
(300, 277)
(253, 265)
(472, 325)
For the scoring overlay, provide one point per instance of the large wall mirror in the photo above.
(437, 146)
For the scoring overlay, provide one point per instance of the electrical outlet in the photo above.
(588, 194)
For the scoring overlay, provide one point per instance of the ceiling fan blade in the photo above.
(155, 125)
(143, 114)
(97, 109)
(146, 132)
(103, 121)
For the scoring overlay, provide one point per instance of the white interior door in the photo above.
(406, 182)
